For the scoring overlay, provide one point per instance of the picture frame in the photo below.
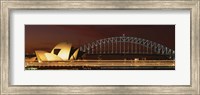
(8, 6)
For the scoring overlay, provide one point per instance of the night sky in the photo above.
(45, 37)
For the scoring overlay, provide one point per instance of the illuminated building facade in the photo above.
(61, 52)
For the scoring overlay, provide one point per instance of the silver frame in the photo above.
(192, 5)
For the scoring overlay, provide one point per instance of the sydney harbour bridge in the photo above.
(125, 45)
(156, 56)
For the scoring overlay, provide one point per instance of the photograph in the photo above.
(99, 47)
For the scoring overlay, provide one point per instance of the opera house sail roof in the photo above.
(61, 52)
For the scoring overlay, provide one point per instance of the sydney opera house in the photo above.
(61, 52)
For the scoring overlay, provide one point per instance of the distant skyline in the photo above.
(45, 37)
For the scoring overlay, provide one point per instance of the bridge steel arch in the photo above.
(118, 45)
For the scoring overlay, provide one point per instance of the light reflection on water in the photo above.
(105, 64)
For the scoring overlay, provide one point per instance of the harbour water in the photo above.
(103, 65)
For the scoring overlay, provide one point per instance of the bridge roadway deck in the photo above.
(103, 63)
